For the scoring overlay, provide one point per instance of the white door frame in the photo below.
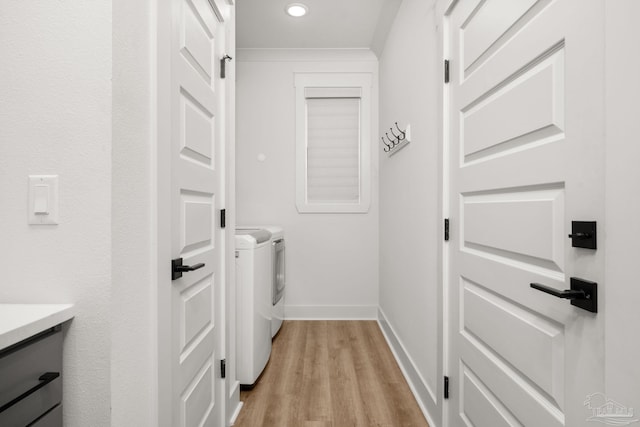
(622, 372)
(232, 385)
(443, 9)
(163, 206)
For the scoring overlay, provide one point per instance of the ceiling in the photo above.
(330, 24)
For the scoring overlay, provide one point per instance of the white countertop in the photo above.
(20, 321)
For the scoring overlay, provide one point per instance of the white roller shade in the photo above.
(333, 150)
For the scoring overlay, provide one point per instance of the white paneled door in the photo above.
(526, 158)
(196, 103)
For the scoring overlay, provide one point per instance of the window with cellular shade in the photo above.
(333, 149)
(333, 142)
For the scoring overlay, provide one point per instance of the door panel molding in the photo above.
(191, 137)
(523, 101)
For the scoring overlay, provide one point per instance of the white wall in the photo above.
(55, 118)
(622, 226)
(331, 258)
(133, 291)
(409, 216)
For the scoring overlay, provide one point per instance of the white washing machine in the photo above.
(278, 281)
(253, 289)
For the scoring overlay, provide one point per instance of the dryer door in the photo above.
(278, 270)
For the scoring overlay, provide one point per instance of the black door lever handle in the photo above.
(583, 293)
(566, 294)
(189, 267)
(177, 268)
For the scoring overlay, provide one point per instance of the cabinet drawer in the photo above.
(52, 419)
(31, 379)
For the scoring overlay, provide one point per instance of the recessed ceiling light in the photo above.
(296, 10)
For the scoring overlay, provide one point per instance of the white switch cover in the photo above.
(43, 199)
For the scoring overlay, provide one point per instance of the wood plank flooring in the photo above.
(330, 374)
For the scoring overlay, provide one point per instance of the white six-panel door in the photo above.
(197, 41)
(526, 158)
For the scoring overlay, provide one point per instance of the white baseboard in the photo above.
(330, 312)
(420, 390)
(234, 417)
(234, 396)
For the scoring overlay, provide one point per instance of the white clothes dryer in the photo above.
(253, 291)
(278, 276)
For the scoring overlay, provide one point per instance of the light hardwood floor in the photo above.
(330, 374)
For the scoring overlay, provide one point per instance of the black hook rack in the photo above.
(396, 142)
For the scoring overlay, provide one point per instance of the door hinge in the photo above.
(446, 71)
(223, 368)
(223, 218)
(446, 387)
(446, 229)
(223, 66)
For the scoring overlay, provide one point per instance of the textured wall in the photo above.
(409, 216)
(55, 118)
(622, 373)
(133, 289)
(331, 258)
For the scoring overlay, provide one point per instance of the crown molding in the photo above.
(304, 55)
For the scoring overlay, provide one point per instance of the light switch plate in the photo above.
(43, 200)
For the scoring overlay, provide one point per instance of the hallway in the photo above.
(457, 181)
(330, 374)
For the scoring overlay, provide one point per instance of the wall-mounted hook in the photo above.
(387, 147)
(393, 142)
(404, 134)
(398, 141)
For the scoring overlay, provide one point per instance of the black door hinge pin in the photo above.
(446, 387)
(446, 71)
(446, 229)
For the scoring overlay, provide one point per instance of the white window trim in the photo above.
(362, 81)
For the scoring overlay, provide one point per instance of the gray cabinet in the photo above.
(31, 382)
(53, 418)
